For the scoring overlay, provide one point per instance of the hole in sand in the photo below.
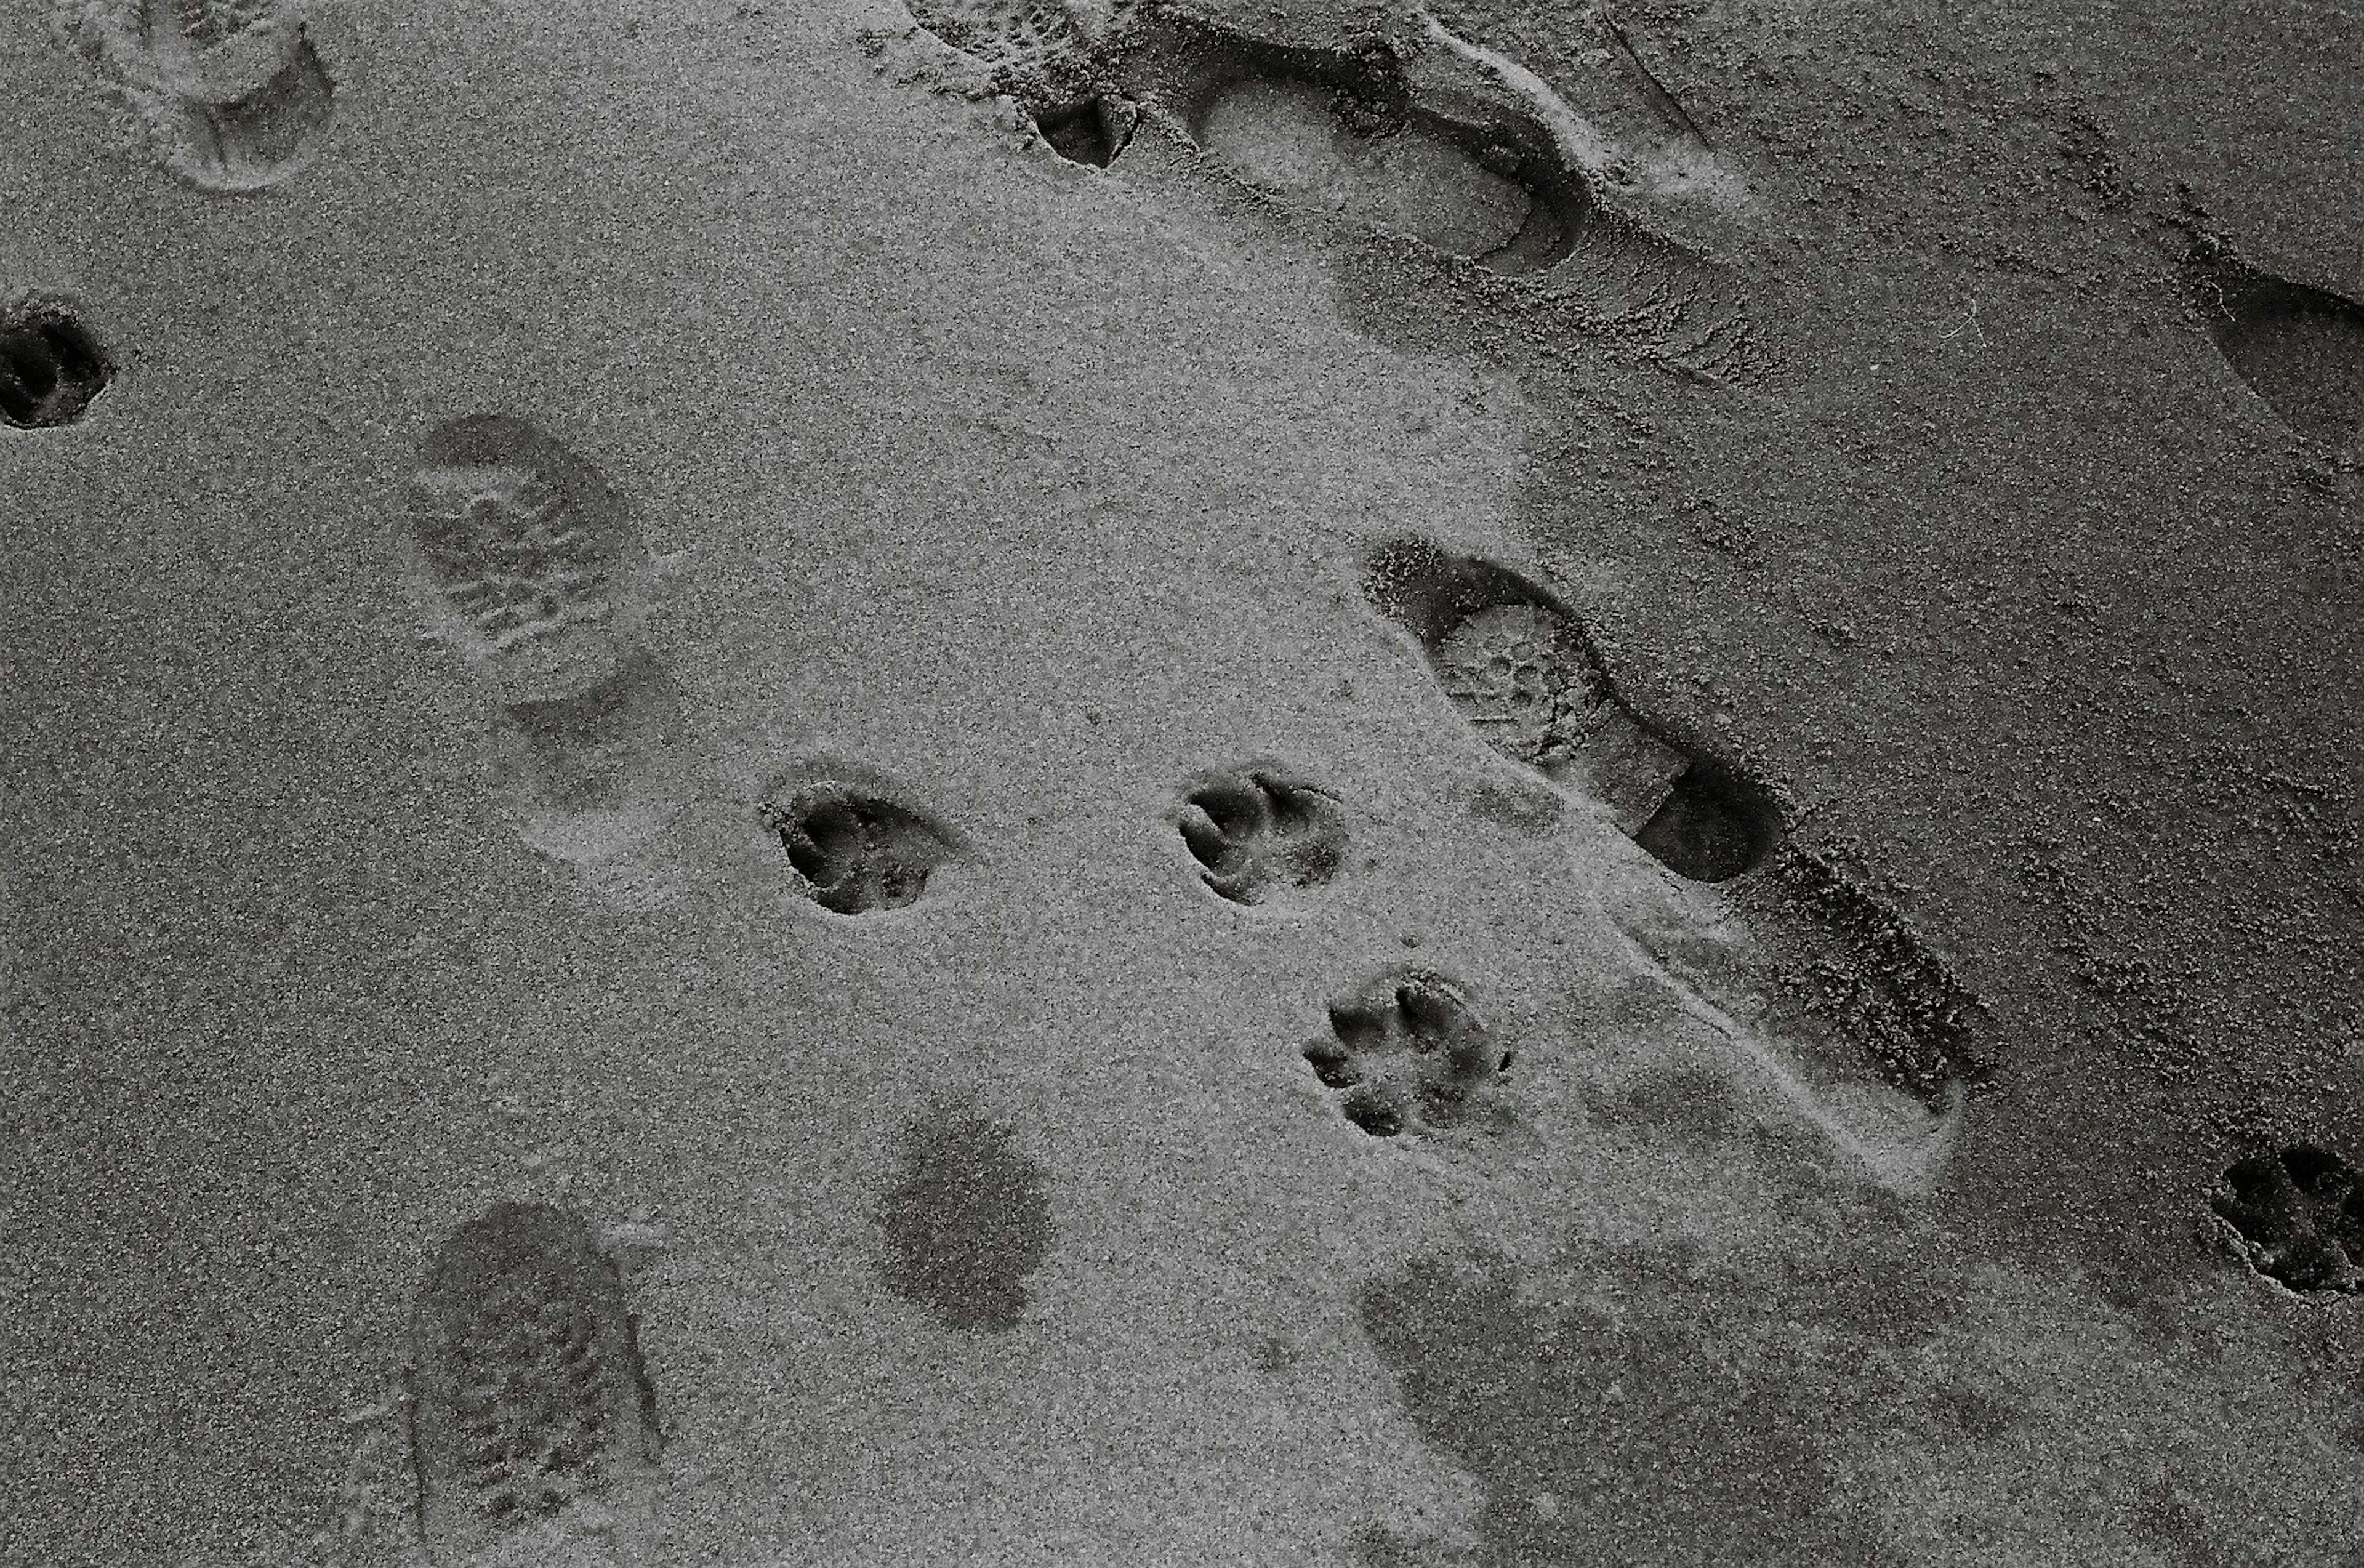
(1094, 132)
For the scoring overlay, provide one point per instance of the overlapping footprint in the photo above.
(1518, 667)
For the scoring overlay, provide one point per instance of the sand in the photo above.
(739, 808)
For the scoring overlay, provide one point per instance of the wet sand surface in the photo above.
(1603, 816)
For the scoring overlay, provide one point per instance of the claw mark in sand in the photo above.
(230, 93)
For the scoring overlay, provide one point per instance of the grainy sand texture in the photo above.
(1153, 782)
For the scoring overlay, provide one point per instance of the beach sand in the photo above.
(1233, 1070)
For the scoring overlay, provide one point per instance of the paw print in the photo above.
(2300, 1218)
(854, 852)
(1405, 1053)
(1257, 832)
(51, 367)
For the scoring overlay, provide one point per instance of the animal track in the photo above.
(1404, 1053)
(529, 561)
(1345, 133)
(852, 849)
(532, 1395)
(2299, 1216)
(2300, 347)
(231, 92)
(1257, 832)
(51, 367)
(1521, 670)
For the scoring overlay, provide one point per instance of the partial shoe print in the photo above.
(374, 1523)
(528, 561)
(536, 1424)
(1258, 833)
(1520, 668)
(50, 366)
(1404, 1053)
(230, 93)
(1343, 133)
(1001, 32)
(1426, 137)
(2297, 1216)
(2297, 347)
(527, 564)
(1434, 138)
(1828, 994)
(852, 846)
(599, 779)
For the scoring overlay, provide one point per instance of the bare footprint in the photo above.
(50, 366)
(230, 93)
(535, 1422)
(1404, 1053)
(851, 846)
(1258, 832)
(1520, 668)
(2297, 347)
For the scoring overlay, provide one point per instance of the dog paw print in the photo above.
(2300, 1218)
(854, 851)
(1405, 1053)
(51, 367)
(1257, 832)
